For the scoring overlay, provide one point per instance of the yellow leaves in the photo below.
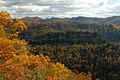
(14, 35)
(60, 68)
(19, 25)
(8, 28)
(5, 18)
(5, 14)
(2, 32)
(10, 47)
(18, 60)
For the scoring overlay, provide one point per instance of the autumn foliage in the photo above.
(5, 18)
(17, 63)
(19, 25)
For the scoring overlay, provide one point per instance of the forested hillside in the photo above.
(59, 49)
(108, 30)
(17, 62)
(81, 44)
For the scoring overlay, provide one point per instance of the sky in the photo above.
(61, 8)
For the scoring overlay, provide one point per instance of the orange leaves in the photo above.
(5, 18)
(52, 78)
(8, 27)
(19, 25)
(14, 35)
(10, 47)
(5, 15)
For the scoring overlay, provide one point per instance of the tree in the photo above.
(5, 18)
(16, 62)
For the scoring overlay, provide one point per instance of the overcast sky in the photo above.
(61, 8)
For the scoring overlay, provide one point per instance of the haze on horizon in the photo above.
(61, 8)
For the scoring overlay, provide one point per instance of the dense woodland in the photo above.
(108, 31)
(82, 46)
(59, 49)
(18, 63)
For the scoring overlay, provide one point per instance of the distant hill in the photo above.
(113, 20)
(108, 28)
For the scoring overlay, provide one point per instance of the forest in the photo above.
(58, 49)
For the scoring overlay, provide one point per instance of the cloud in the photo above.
(61, 8)
(30, 9)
